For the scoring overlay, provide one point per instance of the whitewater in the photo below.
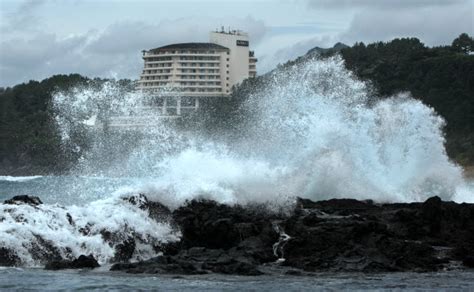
(313, 131)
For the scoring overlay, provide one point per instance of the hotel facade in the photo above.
(176, 76)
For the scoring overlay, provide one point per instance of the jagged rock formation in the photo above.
(333, 235)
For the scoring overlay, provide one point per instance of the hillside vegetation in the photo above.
(441, 77)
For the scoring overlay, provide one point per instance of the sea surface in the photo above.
(86, 280)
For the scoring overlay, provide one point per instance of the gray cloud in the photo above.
(135, 36)
(31, 48)
(43, 55)
(435, 22)
(433, 25)
(282, 55)
(113, 52)
(380, 4)
(24, 18)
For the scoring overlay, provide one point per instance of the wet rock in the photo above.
(82, 262)
(42, 250)
(196, 260)
(8, 258)
(207, 224)
(155, 210)
(70, 220)
(24, 199)
(333, 235)
(213, 225)
(468, 261)
(124, 251)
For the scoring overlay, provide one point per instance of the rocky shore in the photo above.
(339, 235)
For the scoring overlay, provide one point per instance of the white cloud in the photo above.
(34, 44)
(113, 52)
(433, 25)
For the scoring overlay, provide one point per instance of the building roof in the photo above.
(201, 46)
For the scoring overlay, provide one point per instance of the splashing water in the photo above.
(314, 131)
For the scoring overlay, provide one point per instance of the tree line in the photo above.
(441, 77)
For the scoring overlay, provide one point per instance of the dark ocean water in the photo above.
(101, 280)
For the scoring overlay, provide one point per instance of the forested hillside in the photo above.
(442, 77)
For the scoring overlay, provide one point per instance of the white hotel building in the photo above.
(177, 75)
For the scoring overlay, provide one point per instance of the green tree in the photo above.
(463, 44)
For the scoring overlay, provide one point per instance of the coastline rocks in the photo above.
(468, 261)
(82, 262)
(124, 251)
(24, 199)
(196, 260)
(338, 235)
(334, 235)
(8, 258)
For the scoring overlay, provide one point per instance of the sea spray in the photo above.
(45, 232)
(314, 130)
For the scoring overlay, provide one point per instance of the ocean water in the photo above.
(314, 131)
(34, 279)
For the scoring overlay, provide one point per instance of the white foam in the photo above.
(22, 224)
(18, 178)
(313, 131)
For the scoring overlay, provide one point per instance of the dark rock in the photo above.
(82, 262)
(468, 261)
(8, 258)
(294, 273)
(212, 225)
(237, 268)
(124, 251)
(334, 235)
(42, 250)
(156, 210)
(196, 260)
(24, 199)
(207, 224)
(70, 220)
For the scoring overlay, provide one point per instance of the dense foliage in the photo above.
(29, 136)
(442, 77)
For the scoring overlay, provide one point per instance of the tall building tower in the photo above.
(241, 61)
(175, 76)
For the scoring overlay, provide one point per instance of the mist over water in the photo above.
(314, 131)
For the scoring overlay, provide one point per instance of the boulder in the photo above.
(124, 251)
(82, 262)
(24, 199)
(8, 258)
(468, 261)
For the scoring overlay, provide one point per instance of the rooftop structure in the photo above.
(188, 71)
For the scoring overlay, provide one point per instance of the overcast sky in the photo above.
(104, 38)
